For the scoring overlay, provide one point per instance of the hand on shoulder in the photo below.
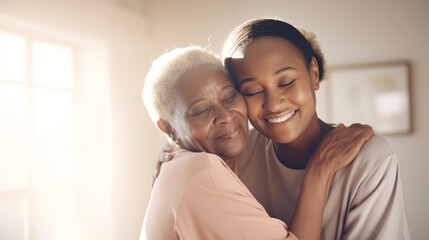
(340, 146)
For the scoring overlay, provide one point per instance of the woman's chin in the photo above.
(234, 151)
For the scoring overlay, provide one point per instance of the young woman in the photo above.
(197, 194)
(278, 71)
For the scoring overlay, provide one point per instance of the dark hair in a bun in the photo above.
(248, 31)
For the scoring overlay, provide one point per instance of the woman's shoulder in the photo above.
(376, 155)
(197, 173)
(184, 167)
(377, 146)
(193, 162)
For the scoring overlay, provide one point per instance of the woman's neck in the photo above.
(296, 153)
(232, 164)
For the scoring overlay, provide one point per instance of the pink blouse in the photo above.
(197, 196)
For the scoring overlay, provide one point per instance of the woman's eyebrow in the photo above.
(195, 101)
(275, 73)
(203, 98)
(245, 81)
(227, 86)
(283, 69)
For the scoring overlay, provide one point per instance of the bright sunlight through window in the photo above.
(36, 169)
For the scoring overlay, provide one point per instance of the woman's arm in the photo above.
(336, 151)
(379, 192)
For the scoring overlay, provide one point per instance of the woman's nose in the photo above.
(223, 115)
(272, 102)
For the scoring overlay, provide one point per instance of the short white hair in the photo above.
(159, 94)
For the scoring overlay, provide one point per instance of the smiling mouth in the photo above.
(232, 133)
(281, 119)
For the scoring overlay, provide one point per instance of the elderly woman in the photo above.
(197, 195)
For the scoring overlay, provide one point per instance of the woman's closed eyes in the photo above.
(287, 84)
(252, 92)
(205, 109)
(230, 97)
(201, 112)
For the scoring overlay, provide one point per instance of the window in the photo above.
(36, 113)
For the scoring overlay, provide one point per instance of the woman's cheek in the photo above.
(301, 95)
(253, 110)
(250, 107)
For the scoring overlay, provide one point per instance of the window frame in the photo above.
(31, 193)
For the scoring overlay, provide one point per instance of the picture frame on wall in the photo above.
(374, 94)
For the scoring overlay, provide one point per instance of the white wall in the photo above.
(349, 32)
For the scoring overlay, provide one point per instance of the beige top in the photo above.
(365, 199)
(197, 196)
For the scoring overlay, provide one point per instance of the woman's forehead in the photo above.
(197, 81)
(270, 45)
(266, 55)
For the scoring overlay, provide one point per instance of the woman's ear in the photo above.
(160, 123)
(166, 128)
(314, 73)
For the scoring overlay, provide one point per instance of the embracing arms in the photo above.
(336, 151)
(241, 214)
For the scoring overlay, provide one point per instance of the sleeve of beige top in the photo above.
(377, 210)
(216, 205)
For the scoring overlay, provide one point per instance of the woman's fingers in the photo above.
(340, 146)
(156, 171)
(353, 141)
(166, 154)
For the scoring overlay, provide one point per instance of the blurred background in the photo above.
(77, 148)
